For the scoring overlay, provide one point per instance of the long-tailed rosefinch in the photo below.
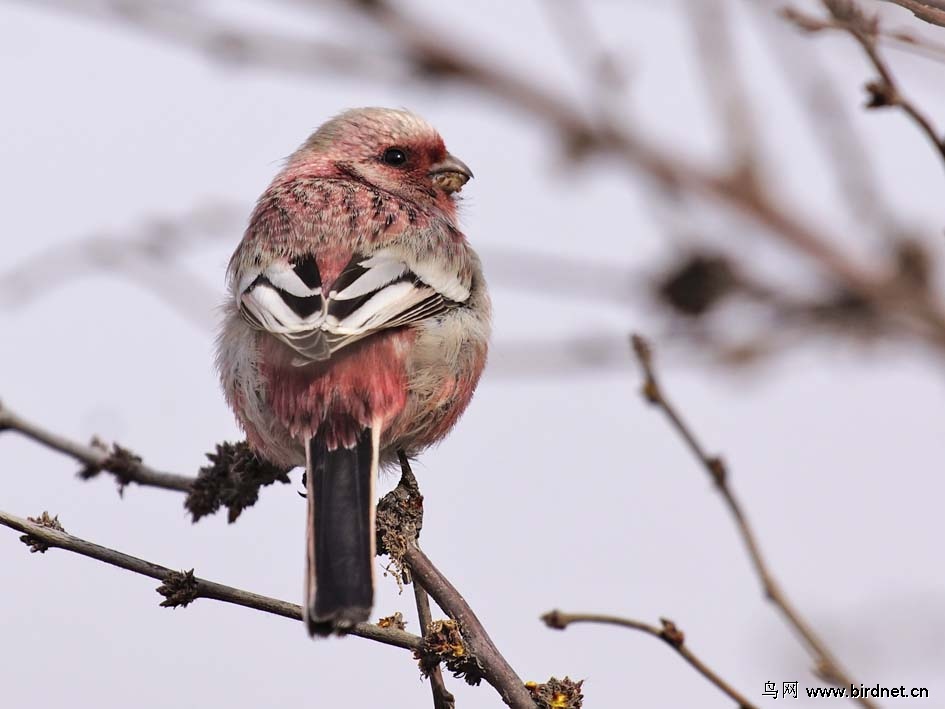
(357, 327)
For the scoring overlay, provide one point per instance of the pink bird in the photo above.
(357, 326)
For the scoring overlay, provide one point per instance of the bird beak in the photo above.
(450, 174)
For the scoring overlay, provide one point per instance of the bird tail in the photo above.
(339, 578)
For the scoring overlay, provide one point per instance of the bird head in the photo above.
(393, 150)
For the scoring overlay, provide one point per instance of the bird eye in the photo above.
(395, 157)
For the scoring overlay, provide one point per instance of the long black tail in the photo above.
(339, 580)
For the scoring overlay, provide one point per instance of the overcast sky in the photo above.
(557, 489)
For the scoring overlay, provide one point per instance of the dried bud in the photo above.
(120, 462)
(44, 520)
(179, 589)
(399, 516)
(671, 634)
(880, 94)
(232, 480)
(393, 621)
(443, 642)
(557, 693)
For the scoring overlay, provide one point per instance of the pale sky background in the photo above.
(556, 490)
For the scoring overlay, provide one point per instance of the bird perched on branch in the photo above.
(357, 326)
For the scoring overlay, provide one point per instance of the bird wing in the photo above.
(372, 293)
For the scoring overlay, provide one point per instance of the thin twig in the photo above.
(125, 468)
(847, 16)
(904, 40)
(668, 632)
(442, 697)
(195, 587)
(887, 90)
(495, 669)
(827, 665)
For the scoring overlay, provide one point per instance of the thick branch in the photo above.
(195, 587)
(668, 633)
(827, 665)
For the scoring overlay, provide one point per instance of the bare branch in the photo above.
(443, 57)
(668, 633)
(715, 45)
(573, 24)
(438, 56)
(399, 519)
(181, 588)
(442, 697)
(431, 54)
(827, 665)
(495, 669)
(829, 121)
(147, 255)
(126, 467)
(916, 44)
(931, 11)
(232, 479)
(885, 91)
(187, 26)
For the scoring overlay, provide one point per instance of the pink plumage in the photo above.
(357, 327)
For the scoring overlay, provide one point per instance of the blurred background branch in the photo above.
(890, 294)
